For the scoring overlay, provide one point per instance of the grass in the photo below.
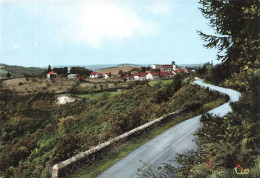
(92, 96)
(208, 106)
(152, 83)
(124, 149)
(98, 95)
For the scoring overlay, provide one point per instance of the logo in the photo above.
(240, 170)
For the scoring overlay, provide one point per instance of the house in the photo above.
(128, 77)
(182, 71)
(165, 67)
(93, 75)
(100, 75)
(72, 76)
(80, 77)
(152, 76)
(106, 75)
(52, 74)
(164, 75)
(140, 76)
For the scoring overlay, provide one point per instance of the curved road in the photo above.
(164, 147)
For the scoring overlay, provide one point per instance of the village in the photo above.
(154, 72)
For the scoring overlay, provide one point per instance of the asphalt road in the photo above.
(164, 147)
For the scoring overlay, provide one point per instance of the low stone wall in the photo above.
(70, 165)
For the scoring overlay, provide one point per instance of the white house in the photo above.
(72, 76)
(140, 76)
(93, 75)
(106, 76)
(152, 76)
(165, 67)
(52, 73)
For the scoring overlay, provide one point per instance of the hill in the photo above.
(115, 70)
(19, 71)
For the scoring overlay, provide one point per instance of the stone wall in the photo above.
(70, 165)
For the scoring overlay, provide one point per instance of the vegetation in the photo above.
(82, 71)
(124, 149)
(19, 71)
(94, 96)
(236, 141)
(152, 83)
(60, 71)
(36, 133)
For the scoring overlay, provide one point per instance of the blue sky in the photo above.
(77, 32)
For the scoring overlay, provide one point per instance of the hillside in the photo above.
(36, 133)
(19, 71)
(115, 70)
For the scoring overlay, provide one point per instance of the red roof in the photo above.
(99, 74)
(140, 74)
(154, 73)
(182, 70)
(93, 73)
(176, 71)
(164, 74)
(167, 66)
(51, 72)
(131, 76)
(80, 77)
(107, 73)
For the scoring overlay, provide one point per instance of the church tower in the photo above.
(174, 65)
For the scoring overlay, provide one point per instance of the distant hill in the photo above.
(191, 65)
(115, 70)
(101, 66)
(19, 71)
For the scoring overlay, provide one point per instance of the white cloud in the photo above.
(103, 20)
(16, 46)
(98, 21)
(35, 45)
(93, 22)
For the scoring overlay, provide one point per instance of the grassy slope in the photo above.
(152, 83)
(99, 95)
(123, 150)
(29, 148)
(101, 165)
(19, 71)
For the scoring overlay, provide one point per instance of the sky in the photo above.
(36, 33)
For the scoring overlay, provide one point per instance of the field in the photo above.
(99, 95)
(115, 70)
(152, 83)
(23, 86)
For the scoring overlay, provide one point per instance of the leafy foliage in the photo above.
(80, 71)
(36, 133)
(225, 142)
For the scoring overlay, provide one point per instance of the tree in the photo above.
(49, 68)
(8, 75)
(60, 71)
(236, 24)
(80, 71)
(143, 68)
